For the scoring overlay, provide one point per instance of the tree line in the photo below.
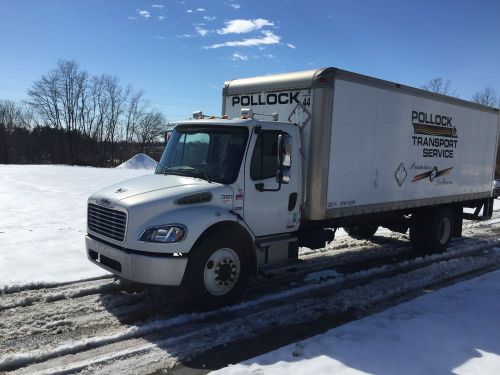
(73, 117)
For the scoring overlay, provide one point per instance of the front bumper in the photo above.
(147, 269)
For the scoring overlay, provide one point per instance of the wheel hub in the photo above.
(221, 271)
(225, 271)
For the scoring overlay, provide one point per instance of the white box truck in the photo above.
(294, 157)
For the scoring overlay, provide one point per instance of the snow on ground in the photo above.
(43, 218)
(139, 161)
(453, 330)
(43, 215)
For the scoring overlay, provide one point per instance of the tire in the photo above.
(218, 270)
(361, 232)
(432, 231)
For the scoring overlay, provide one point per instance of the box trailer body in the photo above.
(294, 157)
(372, 146)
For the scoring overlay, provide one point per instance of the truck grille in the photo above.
(107, 222)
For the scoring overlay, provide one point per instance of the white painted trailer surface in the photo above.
(371, 145)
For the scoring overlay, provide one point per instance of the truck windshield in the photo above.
(212, 152)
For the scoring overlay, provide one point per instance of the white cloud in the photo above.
(268, 38)
(200, 9)
(158, 6)
(131, 18)
(235, 6)
(144, 13)
(270, 56)
(201, 31)
(189, 11)
(236, 56)
(184, 36)
(159, 37)
(208, 18)
(244, 26)
(161, 18)
(292, 46)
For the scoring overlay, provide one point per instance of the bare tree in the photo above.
(13, 116)
(486, 96)
(135, 111)
(439, 86)
(72, 83)
(136, 108)
(44, 99)
(117, 97)
(150, 129)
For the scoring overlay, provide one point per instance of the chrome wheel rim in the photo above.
(222, 271)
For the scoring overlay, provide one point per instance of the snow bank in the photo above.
(42, 221)
(449, 331)
(139, 161)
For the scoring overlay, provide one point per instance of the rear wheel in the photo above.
(361, 232)
(432, 231)
(218, 270)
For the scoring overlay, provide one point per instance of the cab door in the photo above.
(271, 207)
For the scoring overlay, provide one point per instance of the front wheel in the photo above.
(218, 270)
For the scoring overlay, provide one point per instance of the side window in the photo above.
(265, 156)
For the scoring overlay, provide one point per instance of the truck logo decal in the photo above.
(266, 99)
(297, 111)
(105, 201)
(400, 174)
(432, 174)
(433, 132)
(437, 131)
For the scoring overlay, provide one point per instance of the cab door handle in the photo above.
(292, 201)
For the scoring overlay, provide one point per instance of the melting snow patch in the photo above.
(139, 161)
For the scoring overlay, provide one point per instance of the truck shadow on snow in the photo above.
(163, 314)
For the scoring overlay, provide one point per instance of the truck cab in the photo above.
(224, 199)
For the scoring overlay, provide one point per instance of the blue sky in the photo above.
(181, 52)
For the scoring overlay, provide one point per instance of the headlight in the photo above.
(164, 234)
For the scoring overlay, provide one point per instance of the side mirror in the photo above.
(285, 146)
(283, 175)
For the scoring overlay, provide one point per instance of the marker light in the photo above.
(198, 115)
(246, 113)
